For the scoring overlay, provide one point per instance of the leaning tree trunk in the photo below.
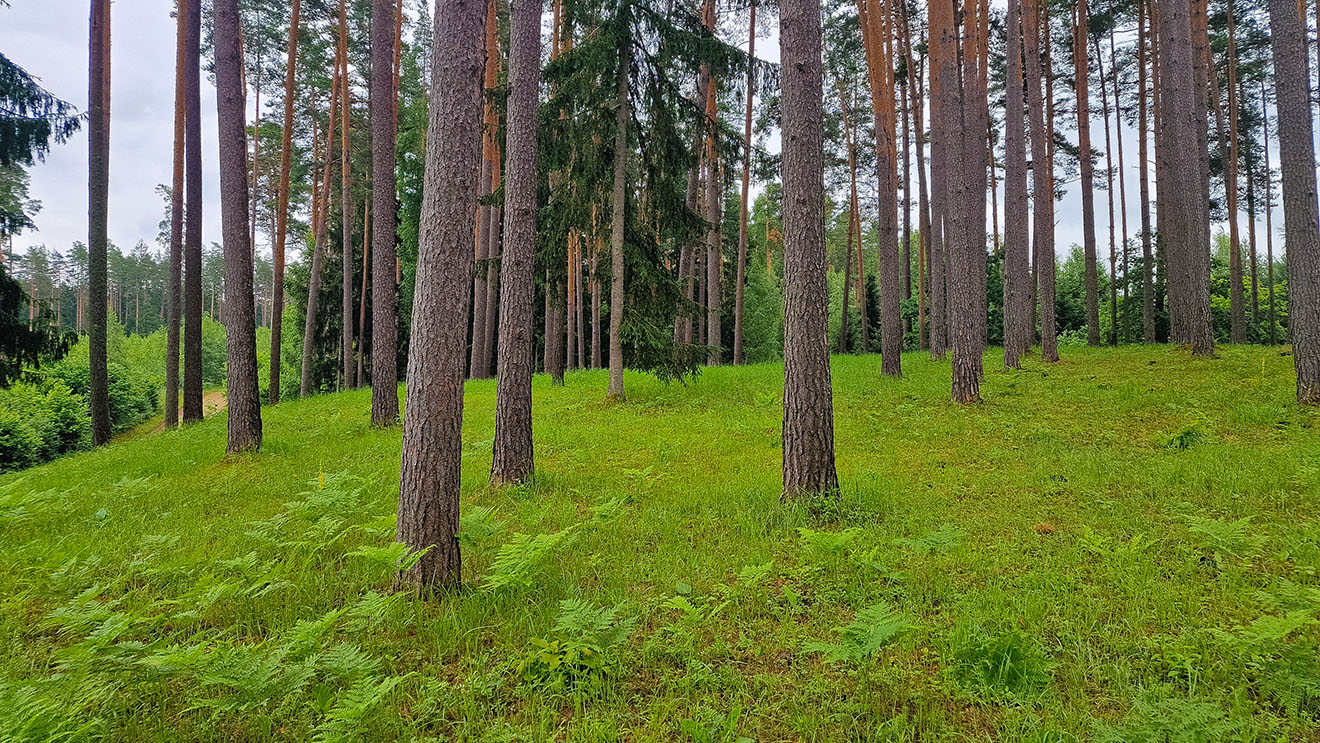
(808, 431)
(622, 115)
(1017, 263)
(192, 224)
(244, 397)
(384, 300)
(512, 460)
(433, 417)
(1301, 216)
(282, 207)
(98, 199)
(176, 228)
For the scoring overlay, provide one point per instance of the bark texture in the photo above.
(1301, 217)
(741, 276)
(1017, 264)
(433, 417)
(1042, 178)
(98, 213)
(512, 460)
(345, 203)
(244, 397)
(282, 207)
(384, 299)
(619, 195)
(808, 432)
(176, 226)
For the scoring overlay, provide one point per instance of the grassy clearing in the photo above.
(1122, 547)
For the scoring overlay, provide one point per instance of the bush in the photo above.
(19, 443)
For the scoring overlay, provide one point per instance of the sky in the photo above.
(48, 38)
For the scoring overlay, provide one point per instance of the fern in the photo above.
(870, 631)
(372, 610)
(521, 557)
(478, 526)
(828, 542)
(249, 678)
(1008, 665)
(579, 657)
(395, 556)
(1232, 537)
(941, 540)
(308, 635)
(345, 721)
(28, 716)
(347, 661)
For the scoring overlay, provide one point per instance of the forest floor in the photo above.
(1121, 547)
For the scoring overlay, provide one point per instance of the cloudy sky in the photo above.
(49, 39)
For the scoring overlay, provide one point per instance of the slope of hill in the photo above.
(1124, 545)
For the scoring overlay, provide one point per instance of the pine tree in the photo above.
(384, 301)
(98, 187)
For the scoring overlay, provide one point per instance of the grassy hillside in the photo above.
(1120, 547)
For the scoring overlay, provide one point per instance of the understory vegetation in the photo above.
(1122, 547)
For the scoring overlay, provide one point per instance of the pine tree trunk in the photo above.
(1109, 192)
(176, 225)
(431, 472)
(847, 265)
(622, 116)
(967, 187)
(741, 279)
(943, 77)
(282, 207)
(808, 429)
(98, 197)
(192, 225)
(242, 390)
(923, 202)
(1081, 77)
(714, 253)
(1147, 254)
(1236, 298)
(1301, 216)
(1017, 262)
(362, 298)
(1269, 211)
(512, 460)
(346, 203)
(1122, 171)
(479, 354)
(384, 292)
(319, 220)
(1035, 22)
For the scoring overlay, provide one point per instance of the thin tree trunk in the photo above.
(176, 225)
(1035, 22)
(1017, 262)
(1269, 211)
(512, 460)
(1081, 76)
(1147, 255)
(943, 75)
(1122, 171)
(741, 278)
(1236, 300)
(967, 186)
(433, 418)
(242, 393)
(878, 33)
(1109, 192)
(362, 301)
(570, 299)
(847, 263)
(1301, 215)
(622, 115)
(479, 353)
(714, 253)
(345, 203)
(808, 429)
(923, 203)
(384, 300)
(318, 248)
(282, 208)
(98, 197)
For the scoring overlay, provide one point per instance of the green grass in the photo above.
(1121, 547)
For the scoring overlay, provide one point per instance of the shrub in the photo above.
(19, 442)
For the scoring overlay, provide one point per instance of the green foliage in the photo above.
(1008, 665)
(861, 639)
(939, 541)
(20, 443)
(580, 656)
(1162, 717)
(711, 726)
(1233, 537)
(520, 559)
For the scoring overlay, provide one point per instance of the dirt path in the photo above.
(213, 401)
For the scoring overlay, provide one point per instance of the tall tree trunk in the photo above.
(319, 229)
(714, 253)
(1081, 77)
(1269, 211)
(1301, 215)
(1122, 171)
(847, 265)
(570, 299)
(512, 460)
(98, 198)
(1109, 192)
(243, 395)
(923, 203)
(741, 277)
(1147, 255)
(384, 299)
(1180, 90)
(967, 186)
(346, 201)
(1017, 262)
(282, 207)
(176, 224)
(1236, 299)
(362, 299)
(618, 197)
(855, 225)
(808, 429)
(476, 369)
(1035, 22)
(431, 472)
(943, 76)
